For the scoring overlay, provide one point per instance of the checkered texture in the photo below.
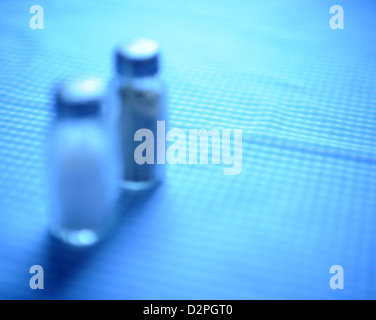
(304, 96)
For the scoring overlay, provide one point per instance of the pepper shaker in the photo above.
(140, 99)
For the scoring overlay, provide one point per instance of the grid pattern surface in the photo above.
(304, 96)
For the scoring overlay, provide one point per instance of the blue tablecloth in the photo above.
(304, 96)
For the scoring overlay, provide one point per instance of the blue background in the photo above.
(304, 96)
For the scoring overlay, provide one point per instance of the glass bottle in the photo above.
(82, 164)
(140, 104)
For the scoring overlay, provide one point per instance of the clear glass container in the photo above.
(140, 104)
(83, 167)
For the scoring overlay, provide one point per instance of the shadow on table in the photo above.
(62, 263)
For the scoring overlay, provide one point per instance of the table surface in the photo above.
(304, 96)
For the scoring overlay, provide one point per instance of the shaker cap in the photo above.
(79, 98)
(137, 58)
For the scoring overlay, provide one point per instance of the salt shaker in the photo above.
(83, 168)
(140, 104)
